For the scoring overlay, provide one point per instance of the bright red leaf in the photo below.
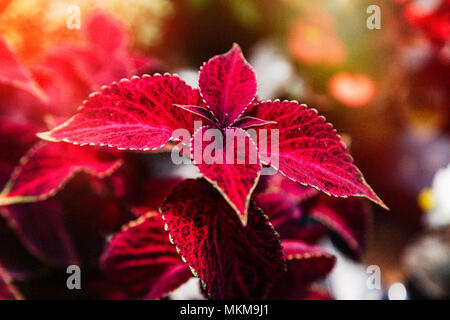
(12, 73)
(136, 114)
(218, 248)
(228, 85)
(237, 174)
(310, 151)
(105, 33)
(295, 191)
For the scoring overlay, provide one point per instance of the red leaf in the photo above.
(308, 262)
(349, 218)
(12, 73)
(92, 206)
(279, 207)
(15, 258)
(203, 112)
(295, 191)
(47, 167)
(228, 85)
(236, 178)
(136, 114)
(288, 217)
(250, 122)
(141, 258)
(41, 228)
(16, 138)
(233, 261)
(105, 32)
(153, 192)
(313, 294)
(91, 63)
(7, 290)
(169, 281)
(310, 151)
(305, 264)
(309, 233)
(62, 77)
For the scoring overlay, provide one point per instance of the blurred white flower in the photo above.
(439, 212)
(274, 72)
(348, 279)
(188, 291)
(426, 263)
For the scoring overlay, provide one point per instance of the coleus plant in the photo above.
(142, 114)
(221, 234)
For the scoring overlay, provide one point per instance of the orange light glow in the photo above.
(352, 90)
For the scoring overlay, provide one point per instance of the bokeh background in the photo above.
(386, 91)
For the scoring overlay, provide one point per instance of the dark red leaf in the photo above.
(15, 258)
(279, 207)
(42, 230)
(7, 290)
(203, 112)
(233, 261)
(309, 233)
(287, 216)
(349, 218)
(153, 192)
(250, 122)
(15, 140)
(141, 258)
(92, 206)
(305, 264)
(316, 294)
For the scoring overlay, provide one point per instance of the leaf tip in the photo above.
(46, 136)
(380, 202)
(236, 47)
(244, 218)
